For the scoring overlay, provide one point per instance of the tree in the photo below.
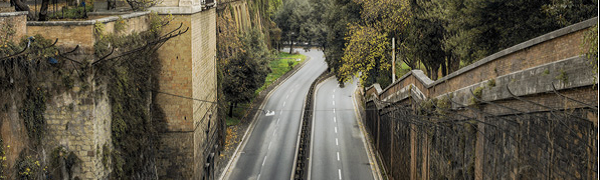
(424, 40)
(367, 52)
(20, 6)
(482, 27)
(368, 48)
(246, 70)
(292, 19)
(337, 17)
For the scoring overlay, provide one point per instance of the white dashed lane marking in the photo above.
(264, 160)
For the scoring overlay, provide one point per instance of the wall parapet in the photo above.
(9, 14)
(113, 18)
(82, 33)
(532, 56)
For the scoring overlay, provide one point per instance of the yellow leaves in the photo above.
(367, 50)
(385, 15)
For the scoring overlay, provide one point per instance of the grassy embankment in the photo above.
(278, 67)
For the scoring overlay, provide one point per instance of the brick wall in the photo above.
(73, 33)
(554, 46)
(79, 120)
(519, 129)
(14, 21)
(189, 70)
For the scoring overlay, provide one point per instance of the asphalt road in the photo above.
(338, 148)
(270, 148)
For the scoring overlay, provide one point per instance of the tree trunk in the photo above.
(230, 109)
(444, 70)
(44, 11)
(291, 46)
(453, 64)
(111, 4)
(20, 6)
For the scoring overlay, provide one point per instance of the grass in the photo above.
(280, 67)
(238, 113)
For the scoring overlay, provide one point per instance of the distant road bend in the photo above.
(269, 150)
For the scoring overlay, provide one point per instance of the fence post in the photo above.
(479, 147)
(392, 125)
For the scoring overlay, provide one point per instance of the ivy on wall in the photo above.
(131, 79)
(31, 72)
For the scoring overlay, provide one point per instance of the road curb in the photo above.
(372, 156)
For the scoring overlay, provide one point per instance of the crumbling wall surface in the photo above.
(51, 85)
(13, 25)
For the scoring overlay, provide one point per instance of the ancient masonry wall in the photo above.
(14, 21)
(189, 70)
(78, 118)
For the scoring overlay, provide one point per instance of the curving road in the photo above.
(338, 148)
(269, 150)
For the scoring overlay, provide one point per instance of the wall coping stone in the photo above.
(87, 22)
(180, 10)
(428, 83)
(540, 39)
(18, 13)
(535, 78)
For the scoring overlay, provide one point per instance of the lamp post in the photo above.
(393, 60)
